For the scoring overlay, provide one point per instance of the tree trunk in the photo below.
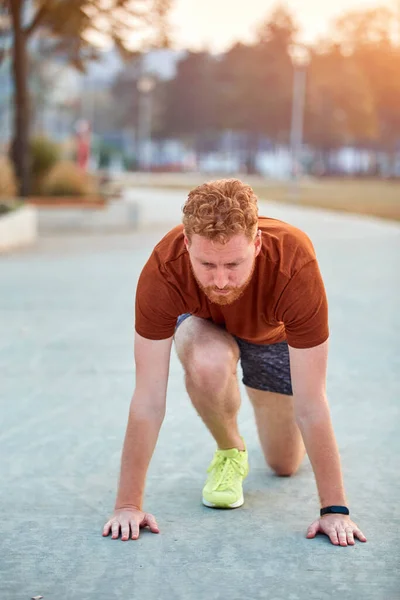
(20, 149)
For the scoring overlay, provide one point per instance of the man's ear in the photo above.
(258, 242)
(186, 241)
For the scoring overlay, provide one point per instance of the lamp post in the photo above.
(145, 86)
(300, 59)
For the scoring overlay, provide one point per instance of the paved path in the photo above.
(66, 323)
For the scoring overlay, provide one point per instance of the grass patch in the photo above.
(374, 197)
(366, 197)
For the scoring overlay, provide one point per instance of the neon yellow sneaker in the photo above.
(224, 485)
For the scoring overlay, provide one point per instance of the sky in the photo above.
(217, 24)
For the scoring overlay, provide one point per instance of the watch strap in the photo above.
(341, 510)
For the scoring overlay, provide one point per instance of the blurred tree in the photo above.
(248, 89)
(238, 97)
(128, 107)
(190, 98)
(340, 103)
(356, 29)
(74, 29)
(255, 93)
(367, 38)
(275, 38)
(125, 94)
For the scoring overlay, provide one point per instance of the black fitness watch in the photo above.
(341, 510)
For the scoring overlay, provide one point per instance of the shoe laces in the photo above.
(226, 469)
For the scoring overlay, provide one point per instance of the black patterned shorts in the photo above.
(265, 367)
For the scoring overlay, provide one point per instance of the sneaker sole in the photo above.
(236, 504)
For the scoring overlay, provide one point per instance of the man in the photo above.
(228, 285)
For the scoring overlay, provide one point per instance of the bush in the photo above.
(130, 163)
(44, 155)
(105, 157)
(67, 179)
(8, 181)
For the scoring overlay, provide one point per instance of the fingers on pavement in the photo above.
(152, 523)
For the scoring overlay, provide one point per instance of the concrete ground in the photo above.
(66, 365)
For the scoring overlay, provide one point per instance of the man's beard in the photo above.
(211, 291)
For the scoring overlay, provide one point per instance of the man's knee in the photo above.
(210, 367)
(283, 470)
(286, 466)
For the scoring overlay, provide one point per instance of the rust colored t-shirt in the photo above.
(285, 299)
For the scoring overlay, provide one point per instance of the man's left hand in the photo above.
(339, 528)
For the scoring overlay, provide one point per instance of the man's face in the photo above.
(223, 270)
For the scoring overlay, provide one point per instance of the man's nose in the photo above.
(220, 279)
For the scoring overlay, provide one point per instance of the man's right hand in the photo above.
(129, 521)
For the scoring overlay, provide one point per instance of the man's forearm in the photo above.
(319, 439)
(140, 441)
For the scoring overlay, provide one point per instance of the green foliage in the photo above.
(67, 179)
(105, 154)
(368, 76)
(190, 105)
(130, 163)
(69, 28)
(44, 155)
(342, 113)
(353, 87)
(7, 206)
(72, 24)
(249, 88)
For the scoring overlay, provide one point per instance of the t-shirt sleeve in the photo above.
(157, 305)
(303, 308)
